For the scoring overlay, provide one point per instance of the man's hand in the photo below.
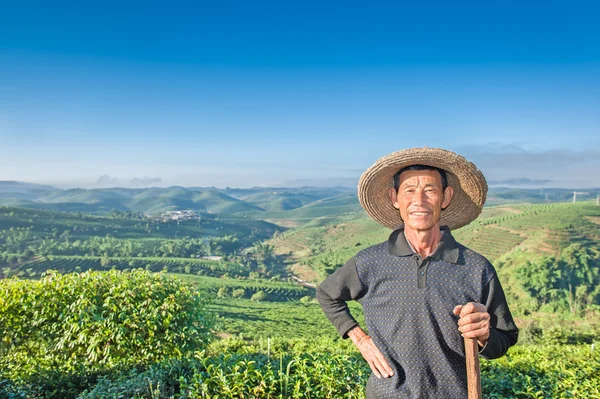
(369, 351)
(474, 321)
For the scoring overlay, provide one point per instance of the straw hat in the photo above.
(470, 187)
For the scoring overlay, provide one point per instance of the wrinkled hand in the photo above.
(474, 321)
(371, 353)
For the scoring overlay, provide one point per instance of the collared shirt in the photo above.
(408, 303)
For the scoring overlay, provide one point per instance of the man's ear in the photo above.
(394, 198)
(448, 193)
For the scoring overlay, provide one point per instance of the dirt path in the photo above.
(593, 219)
(508, 209)
(304, 283)
(304, 273)
(513, 231)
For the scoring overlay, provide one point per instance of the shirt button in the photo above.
(422, 273)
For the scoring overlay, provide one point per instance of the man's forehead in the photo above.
(410, 177)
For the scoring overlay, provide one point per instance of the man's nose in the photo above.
(418, 197)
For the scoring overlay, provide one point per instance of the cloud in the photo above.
(494, 155)
(106, 180)
(556, 167)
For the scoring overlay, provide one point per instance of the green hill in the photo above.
(148, 201)
(330, 208)
(42, 223)
(509, 236)
(280, 201)
(24, 191)
(216, 202)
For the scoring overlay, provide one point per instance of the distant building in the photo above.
(179, 215)
(211, 257)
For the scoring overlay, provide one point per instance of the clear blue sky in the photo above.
(253, 93)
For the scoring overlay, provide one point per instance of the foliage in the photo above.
(332, 368)
(247, 318)
(84, 324)
(69, 264)
(258, 296)
(572, 280)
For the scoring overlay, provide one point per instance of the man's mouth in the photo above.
(420, 213)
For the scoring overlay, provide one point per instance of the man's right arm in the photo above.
(333, 293)
(341, 286)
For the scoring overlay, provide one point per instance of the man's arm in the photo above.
(492, 324)
(340, 287)
(333, 293)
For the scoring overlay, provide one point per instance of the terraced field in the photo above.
(69, 264)
(290, 319)
(274, 290)
(541, 229)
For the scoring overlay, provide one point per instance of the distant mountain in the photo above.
(283, 200)
(330, 207)
(298, 203)
(149, 201)
(25, 191)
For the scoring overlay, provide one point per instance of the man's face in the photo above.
(420, 198)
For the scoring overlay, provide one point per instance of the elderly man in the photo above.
(421, 291)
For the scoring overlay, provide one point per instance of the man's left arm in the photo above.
(490, 322)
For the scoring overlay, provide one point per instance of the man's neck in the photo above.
(424, 242)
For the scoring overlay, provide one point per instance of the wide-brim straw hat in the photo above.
(469, 184)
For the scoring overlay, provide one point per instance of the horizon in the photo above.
(268, 94)
(491, 185)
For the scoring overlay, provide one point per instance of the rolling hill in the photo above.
(537, 230)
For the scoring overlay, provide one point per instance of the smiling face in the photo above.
(420, 199)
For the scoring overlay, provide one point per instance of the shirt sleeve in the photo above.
(503, 330)
(341, 286)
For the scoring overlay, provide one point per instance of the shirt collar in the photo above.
(447, 249)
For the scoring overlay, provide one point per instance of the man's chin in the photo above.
(420, 225)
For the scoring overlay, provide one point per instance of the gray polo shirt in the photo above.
(408, 303)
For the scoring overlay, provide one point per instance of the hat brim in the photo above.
(469, 184)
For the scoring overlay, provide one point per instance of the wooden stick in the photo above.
(473, 373)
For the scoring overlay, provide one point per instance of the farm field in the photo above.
(67, 264)
(222, 288)
(271, 339)
(538, 229)
(282, 320)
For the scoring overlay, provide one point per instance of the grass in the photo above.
(255, 320)
(275, 290)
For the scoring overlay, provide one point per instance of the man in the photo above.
(421, 291)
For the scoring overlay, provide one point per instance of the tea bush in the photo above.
(64, 331)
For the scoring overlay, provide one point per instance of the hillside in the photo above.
(327, 208)
(510, 236)
(156, 199)
(42, 223)
(284, 206)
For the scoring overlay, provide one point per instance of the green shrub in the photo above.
(258, 296)
(239, 293)
(93, 322)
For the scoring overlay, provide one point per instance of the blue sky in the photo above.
(257, 93)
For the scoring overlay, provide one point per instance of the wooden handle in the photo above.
(473, 373)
